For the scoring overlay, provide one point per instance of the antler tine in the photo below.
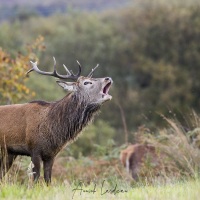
(91, 73)
(71, 72)
(79, 65)
(30, 70)
(67, 70)
(54, 66)
(35, 68)
(54, 73)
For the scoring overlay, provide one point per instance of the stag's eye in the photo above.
(86, 83)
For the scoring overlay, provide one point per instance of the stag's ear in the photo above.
(70, 86)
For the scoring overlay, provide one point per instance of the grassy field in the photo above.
(182, 190)
(177, 176)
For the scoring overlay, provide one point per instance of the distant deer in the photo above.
(41, 129)
(135, 155)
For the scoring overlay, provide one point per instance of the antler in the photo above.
(70, 74)
(91, 73)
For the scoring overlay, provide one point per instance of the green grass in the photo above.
(186, 190)
(182, 190)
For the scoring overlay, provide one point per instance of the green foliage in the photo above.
(161, 64)
(45, 88)
(98, 133)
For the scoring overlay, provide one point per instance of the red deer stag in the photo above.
(41, 129)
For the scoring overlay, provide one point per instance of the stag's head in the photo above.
(94, 89)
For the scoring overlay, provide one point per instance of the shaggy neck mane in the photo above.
(69, 116)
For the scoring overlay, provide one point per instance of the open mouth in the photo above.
(106, 88)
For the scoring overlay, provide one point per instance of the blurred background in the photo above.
(151, 49)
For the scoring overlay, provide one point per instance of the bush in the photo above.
(12, 73)
(97, 134)
(179, 145)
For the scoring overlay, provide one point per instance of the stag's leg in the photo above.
(48, 164)
(36, 166)
(6, 162)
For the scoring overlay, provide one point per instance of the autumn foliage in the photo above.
(13, 73)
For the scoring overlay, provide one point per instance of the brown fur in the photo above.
(134, 155)
(40, 129)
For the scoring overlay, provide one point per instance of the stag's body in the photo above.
(41, 129)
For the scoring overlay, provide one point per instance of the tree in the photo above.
(12, 73)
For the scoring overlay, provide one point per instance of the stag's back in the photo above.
(18, 122)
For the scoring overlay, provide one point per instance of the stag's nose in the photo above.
(108, 79)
